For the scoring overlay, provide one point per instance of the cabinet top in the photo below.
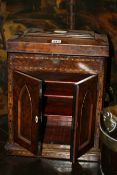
(77, 42)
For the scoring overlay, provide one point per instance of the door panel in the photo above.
(24, 116)
(26, 105)
(84, 113)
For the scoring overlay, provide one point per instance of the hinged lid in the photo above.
(76, 42)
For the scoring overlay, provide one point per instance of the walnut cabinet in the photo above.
(56, 86)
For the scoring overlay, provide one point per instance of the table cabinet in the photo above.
(55, 92)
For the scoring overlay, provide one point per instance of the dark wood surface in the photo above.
(71, 43)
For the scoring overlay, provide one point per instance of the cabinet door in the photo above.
(27, 92)
(84, 114)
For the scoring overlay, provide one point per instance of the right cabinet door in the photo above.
(84, 114)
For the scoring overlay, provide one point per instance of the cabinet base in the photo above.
(92, 155)
(17, 150)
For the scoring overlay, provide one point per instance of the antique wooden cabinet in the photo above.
(55, 92)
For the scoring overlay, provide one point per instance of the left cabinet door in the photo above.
(27, 93)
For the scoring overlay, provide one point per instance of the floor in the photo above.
(12, 165)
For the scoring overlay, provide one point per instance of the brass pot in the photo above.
(108, 130)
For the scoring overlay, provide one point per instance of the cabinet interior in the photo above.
(56, 129)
